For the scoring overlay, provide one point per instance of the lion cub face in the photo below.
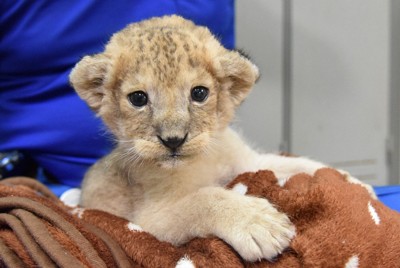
(164, 87)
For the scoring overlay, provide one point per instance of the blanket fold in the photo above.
(337, 224)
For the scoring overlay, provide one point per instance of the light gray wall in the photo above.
(394, 138)
(339, 80)
(259, 32)
(341, 84)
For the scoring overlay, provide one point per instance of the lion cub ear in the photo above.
(240, 75)
(87, 78)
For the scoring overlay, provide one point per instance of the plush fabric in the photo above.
(337, 223)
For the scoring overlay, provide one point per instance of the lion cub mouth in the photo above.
(173, 160)
(176, 156)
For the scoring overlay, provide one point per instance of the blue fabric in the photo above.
(40, 41)
(389, 195)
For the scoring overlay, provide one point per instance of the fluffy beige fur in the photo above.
(177, 194)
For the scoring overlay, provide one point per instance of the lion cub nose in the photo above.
(173, 143)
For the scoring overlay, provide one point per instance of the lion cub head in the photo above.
(164, 87)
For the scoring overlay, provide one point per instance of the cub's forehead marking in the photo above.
(162, 52)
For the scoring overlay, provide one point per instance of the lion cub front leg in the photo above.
(251, 225)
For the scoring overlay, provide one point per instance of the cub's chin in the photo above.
(175, 160)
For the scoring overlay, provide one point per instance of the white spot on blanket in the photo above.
(283, 181)
(352, 262)
(240, 188)
(78, 212)
(374, 215)
(134, 227)
(185, 262)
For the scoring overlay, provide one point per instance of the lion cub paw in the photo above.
(258, 231)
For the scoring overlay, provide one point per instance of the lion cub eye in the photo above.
(138, 98)
(199, 93)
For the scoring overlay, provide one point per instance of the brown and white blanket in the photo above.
(338, 224)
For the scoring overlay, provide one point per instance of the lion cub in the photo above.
(168, 90)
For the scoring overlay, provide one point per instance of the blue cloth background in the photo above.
(389, 195)
(40, 41)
